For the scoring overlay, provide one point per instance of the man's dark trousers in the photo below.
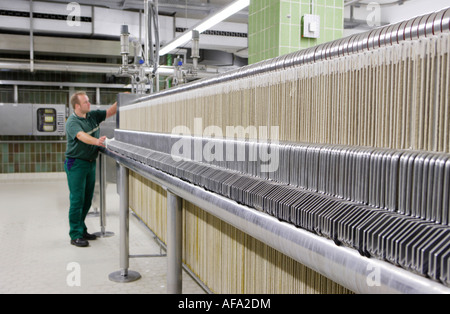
(81, 180)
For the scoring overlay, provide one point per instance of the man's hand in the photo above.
(101, 141)
(90, 140)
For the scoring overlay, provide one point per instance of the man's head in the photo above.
(80, 102)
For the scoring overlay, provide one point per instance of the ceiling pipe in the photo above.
(25, 65)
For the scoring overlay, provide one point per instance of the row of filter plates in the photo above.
(386, 204)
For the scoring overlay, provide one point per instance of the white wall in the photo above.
(390, 14)
(412, 8)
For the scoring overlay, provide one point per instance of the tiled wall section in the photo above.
(263, 29)
(31, 157)
(275, 26)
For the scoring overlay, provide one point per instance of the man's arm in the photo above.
(111, 111)
(90, 140)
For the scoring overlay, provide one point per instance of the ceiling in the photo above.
(196, 9)
(360, 15)
(200, 9)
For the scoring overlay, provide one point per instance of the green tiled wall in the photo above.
(275, 26)
(31, 157)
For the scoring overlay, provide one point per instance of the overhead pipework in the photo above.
(144, 70)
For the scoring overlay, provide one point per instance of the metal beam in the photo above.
(60, 45)
(63, 84)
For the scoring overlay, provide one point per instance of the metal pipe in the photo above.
(102, 179)
(34, 142)
(163, 246)
(85, 68)
(174, 243)
(124, 274)
(146, 32)
(343, 265)
(157, 41)
(102, 171)
(61, 84)
(16, 94)
(31, 38)
(124, 220)
(97, 96)
(147, 255)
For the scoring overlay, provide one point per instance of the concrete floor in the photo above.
(37, 258)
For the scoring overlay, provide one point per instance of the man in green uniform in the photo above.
(83, 142)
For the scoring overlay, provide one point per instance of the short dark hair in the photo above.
(75, 100)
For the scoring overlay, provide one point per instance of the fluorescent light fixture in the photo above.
(218, 17)
(204, 25)
(179, 41)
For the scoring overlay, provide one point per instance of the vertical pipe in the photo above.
(157, 82)
(93, 20)
(140, 28)
(146, 33)
(124, 221)
(174, 244)
(31, 38)
(101, 170)
(16, 94)
(124, 275)
(157, 41)
(97, 95)
(150, 31)
(102, 179)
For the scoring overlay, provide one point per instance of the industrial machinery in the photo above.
(144, 69)
(322, 170)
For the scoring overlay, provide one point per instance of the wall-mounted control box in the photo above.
(32, 119)
(49, 120)
(311, 26)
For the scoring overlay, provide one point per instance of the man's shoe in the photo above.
(79, 242)
(88, 236)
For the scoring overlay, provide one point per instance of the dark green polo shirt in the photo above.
(90, 125)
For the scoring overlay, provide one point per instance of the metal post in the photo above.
(174, 243)
(102, 180)
(16, 94)
(31, 38)
(124, 275)
(147, 34)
